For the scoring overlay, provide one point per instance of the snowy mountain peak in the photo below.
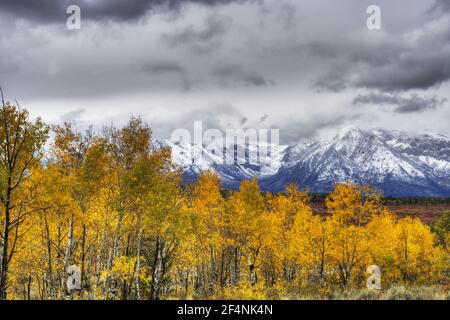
(351, 139)
(400, 164)
(349, 132)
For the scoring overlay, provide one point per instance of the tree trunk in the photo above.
(138, 260)
(112, 255)
(50, 276)
(5, 243)
(157, 269)
(68, 255)
(83, 261)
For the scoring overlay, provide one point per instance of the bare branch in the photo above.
(3, 98)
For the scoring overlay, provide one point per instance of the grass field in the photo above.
(399, 292)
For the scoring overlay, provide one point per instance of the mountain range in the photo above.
(398, 163)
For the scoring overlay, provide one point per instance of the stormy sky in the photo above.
(307, 67)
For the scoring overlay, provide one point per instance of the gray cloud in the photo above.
(6, 67)
(295, 131)
(442, 6)
(411, 104)
(73, 115)
(287, 14)
(46, 11)
(392, 62)
(402, 72)
(223, 116)
(264, 118)
(219, 116)
(163, 59)
(201, 40)
(232, 74)
(255, 80)
(332, 81)
(416, 72)
(163, 67)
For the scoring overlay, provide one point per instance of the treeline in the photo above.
(416, 200)
(320, 198)
(113, 206)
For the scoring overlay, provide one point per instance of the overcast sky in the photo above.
(308, 67)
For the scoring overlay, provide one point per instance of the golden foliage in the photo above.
(115, 206)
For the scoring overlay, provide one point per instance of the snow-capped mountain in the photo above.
(234, 165)
(396, 162)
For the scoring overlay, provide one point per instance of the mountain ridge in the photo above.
(398, 163)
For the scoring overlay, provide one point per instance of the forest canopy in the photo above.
(114, 206)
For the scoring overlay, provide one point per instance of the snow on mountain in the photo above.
(398, 163)
(235, 164)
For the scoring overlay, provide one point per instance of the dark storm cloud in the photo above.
(416, 72)
(423, 68)
(232, 74)
(411, 104)
(391, 63)
(54, 10)
(441, 6)
(261, 56)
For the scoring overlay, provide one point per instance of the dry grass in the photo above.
(396, 292)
